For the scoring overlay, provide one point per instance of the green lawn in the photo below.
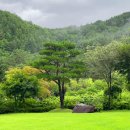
(118, 120)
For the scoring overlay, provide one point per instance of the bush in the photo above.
(95, 99)
(50, 104)
(120, 105)
(123, 102)
(30, 105)
(71, 101)
(7, 106)
(33, 105)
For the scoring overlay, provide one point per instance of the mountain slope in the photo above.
(98, 33)
(21, 40)
(18, 34)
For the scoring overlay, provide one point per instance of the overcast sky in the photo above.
(62, 13)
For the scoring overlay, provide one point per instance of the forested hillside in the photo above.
(18, 34)
(21, 40)
(88, 64)
(98, 33)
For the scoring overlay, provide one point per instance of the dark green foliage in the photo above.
(30, 105)
(120, 20)
(60, 64)
(7, 106)
(20, 57)
(59, 61)
(33, 105)
(18, 34)
(124, 63)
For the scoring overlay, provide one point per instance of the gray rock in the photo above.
(83, 108)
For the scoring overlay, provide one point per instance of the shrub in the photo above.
(120, 105)
(30, 105)
(71, 101)
(50, 104)
(33, 105)
(95, 99)
(7, 106)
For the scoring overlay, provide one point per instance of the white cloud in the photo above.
(60, 13)
(31, 14)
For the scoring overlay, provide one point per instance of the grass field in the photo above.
(116, 120)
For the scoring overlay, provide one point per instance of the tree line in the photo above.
(60, 63)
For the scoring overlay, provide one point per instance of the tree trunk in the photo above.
(15, 103)
(61, 101)
(128, 76)
(110, 89)
(109, 100)
(61, 94)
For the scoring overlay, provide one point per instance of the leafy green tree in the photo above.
(102, 62)
(58, 60)
(19, 85)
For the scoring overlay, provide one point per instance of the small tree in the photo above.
(19, 85)
(58, 60)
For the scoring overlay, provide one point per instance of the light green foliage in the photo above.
(85, 91)
(119, 80)
(20, 85)
(83, 86)
(123, 102)
(118, 85)
(71, 101)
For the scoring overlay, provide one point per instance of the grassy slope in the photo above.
(118, 120)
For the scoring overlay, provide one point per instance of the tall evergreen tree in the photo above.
(60, 64)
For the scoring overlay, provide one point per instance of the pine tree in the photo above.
(60, 65)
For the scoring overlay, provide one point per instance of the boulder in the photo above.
(83, 108)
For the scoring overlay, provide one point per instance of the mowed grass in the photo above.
(116, 120)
